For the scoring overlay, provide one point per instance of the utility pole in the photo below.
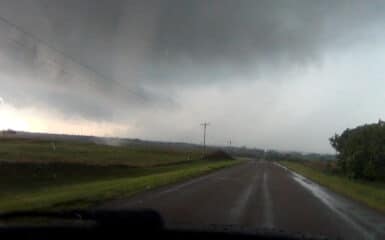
(205, 124)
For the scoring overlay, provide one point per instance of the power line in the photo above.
(70, 58)
(204, 125)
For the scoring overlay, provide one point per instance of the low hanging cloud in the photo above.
(85, 56)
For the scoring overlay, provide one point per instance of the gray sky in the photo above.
(270, 74)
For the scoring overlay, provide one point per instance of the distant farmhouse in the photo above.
(8, 133)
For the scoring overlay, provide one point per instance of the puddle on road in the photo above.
(367, 223)
(240, 205)
(268, 209)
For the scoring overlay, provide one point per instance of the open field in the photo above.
(21, 177)
(86, 193)
(43, 151)
(369, 193)
(34, 174)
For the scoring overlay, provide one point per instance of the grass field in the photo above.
(369, 193)
(87, 193)
(34, 176)
(29, 150)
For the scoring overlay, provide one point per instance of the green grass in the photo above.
(78, 174)
(369, 193)
(29, 150)
(87, 193)
(21, 177)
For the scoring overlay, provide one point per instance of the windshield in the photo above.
(259, 114)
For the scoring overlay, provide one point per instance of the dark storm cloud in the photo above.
(93, 57)
(242, 35)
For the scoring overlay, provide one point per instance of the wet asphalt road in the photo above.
(259, 194)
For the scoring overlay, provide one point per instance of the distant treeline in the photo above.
(361, 151)
(276, 155)
(245, 152)
(295, 156)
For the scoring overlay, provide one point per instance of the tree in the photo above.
(361, 151)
